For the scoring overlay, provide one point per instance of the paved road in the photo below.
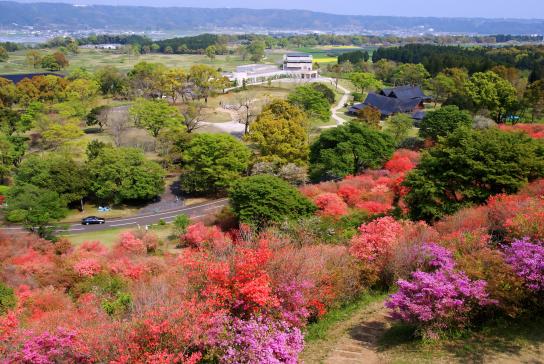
(196, 211)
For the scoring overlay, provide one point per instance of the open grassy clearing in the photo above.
(111, 236)
(502, 341)
(92, 59)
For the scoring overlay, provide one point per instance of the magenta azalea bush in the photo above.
(50, 348)
(261, 340)
(527, 260)
(440, 298)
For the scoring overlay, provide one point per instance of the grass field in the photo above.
(92, 59)
(505, 341)
(111, 236)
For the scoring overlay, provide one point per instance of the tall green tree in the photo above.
(256, 50)
(442, 87)
(56, 172)
(312, 101)
(410, 74)
(534, 97)
(443, 121)
(3, 54)
(398, 127)
(365, 81)
(211, 162)
(154, 115)
(35, 208)
(123, 174)
(280, 134)
(348, 149)
(467, 167)
(8, 93)
(491, 92)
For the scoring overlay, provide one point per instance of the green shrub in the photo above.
(117, 306)
(181, 223)
(262, 199)
(7, 299)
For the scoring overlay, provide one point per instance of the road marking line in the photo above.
(128, 223)
(170, 212)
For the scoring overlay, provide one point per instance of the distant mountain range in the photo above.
(137, 18)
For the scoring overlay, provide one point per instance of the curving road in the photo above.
(194, 212)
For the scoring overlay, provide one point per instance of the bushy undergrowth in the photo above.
(245, 295)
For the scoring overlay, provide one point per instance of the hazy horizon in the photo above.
(524, 9)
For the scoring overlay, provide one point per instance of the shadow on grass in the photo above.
(92, 130)
(501, 336)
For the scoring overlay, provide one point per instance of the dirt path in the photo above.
(339, 120)
(352, 341)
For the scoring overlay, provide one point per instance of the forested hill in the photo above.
(65, 16)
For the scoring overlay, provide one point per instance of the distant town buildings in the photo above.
(112, 46)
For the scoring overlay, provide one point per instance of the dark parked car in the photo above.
(93, 220)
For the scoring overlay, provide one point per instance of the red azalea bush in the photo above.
(330, 204)
(373, 192)
(173, 308)
(535, 131)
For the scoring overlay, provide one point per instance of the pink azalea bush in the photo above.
(330, 204)
(440, 299)
(61, 346)
(527, 260)
(261, 340)
(87, 267)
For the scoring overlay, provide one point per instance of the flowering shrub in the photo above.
(527, 260)
(87, 267)
(376, 240)
(373, 192)
(131, 244)
(535, 131)
(438, 300)
(402, 161)
(198, 235)
(330, 204)
(529, 224)
(61, 346)
(260, 340)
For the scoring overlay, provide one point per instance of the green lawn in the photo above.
(110, 237)
(92, 59)
(512, 341)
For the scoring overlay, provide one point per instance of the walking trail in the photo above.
(356, 339)
(236, 128)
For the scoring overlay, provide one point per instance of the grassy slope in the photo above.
(506, 341)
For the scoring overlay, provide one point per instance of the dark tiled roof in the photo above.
(386, 105)
(418, 115)
(404, 92)
(410, 104)
(19, 77)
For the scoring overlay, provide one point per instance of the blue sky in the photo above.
(447, 8)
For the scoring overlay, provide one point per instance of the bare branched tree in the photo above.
(247, 109)
(119, 123)
(193, 115)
